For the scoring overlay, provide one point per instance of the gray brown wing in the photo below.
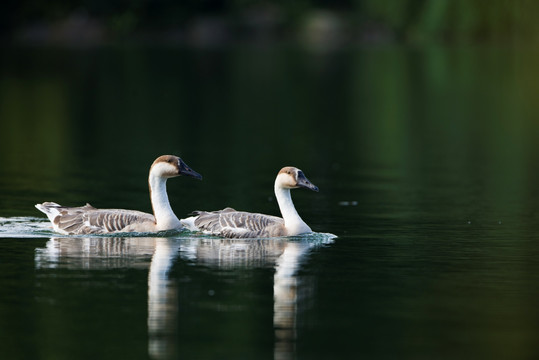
(232, 223)
(89, 220)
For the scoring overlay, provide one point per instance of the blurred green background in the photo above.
(216, 22)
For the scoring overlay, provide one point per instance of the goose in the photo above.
(89, 220)
(239, 224)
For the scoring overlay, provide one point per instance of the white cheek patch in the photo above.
(164, 169)
(286, 180)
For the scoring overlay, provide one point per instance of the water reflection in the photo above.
(285, 292)
(162, 301)
(95, 253)
(283, 254)
(160, 254)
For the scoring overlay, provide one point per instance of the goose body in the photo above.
(89, 220)
(239, 224)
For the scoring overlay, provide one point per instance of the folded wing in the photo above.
(89, 220)
(231, 223)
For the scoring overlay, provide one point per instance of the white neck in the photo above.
(292, 221)
(165, 218)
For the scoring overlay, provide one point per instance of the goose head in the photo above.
(292, 178)
(167, 166)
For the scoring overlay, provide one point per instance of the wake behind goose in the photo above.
(89, 220)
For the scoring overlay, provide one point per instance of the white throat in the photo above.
(292, 221)
(164, 216)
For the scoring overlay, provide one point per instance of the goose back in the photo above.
(239, 224)
(89, 220)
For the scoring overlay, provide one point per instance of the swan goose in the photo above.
(239, 224)
(89, 220)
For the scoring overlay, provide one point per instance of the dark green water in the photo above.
(426, 160)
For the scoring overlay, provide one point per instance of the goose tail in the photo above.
(50, 209)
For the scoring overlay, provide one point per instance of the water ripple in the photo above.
(25, 227)
(34, 227)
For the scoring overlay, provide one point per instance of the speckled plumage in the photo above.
(239, 224)
(89, 220)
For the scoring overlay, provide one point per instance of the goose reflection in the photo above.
(100, 253)
(160, 254)
(96, 253)
(284, 254)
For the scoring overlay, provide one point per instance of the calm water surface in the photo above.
(426, 164)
